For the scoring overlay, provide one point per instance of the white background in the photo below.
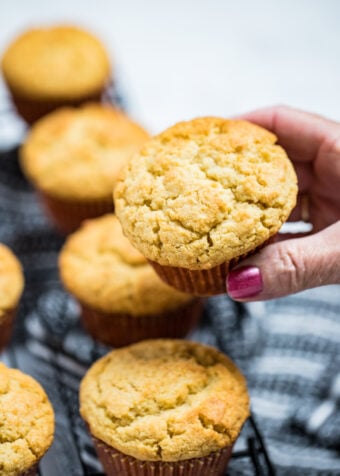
(183, 58)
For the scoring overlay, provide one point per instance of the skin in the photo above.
(291, 265)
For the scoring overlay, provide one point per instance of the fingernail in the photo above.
(244, 282)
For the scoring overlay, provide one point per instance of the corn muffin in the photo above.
(11, 287)
(73, 157)
(164, 407)
(50, 67)
(202, 195)
(27, 423)
(122, 299)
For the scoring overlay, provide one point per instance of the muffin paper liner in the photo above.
(68, 215)
(31, 110)
(6, 328)
(117, 330)
(116, 463)
(205, 282)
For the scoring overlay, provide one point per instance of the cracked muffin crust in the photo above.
(122, 298)
(26, 422)
(168, 400)
(100, 267)
(205, 192)
(73, 157)
(11, 281)
(75, 154)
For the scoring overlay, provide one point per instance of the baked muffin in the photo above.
(122, 299)
(11, 287)
(27, 423)
(164, 407)
(201, 196)
(73, 157)
(49, 67)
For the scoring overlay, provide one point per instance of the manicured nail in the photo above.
(244, 282)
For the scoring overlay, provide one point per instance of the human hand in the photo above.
(313, 145)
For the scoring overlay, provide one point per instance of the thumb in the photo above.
(288, 267)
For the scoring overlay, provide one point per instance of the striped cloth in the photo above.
(289, 350)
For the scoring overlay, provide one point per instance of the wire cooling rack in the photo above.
(50, 344)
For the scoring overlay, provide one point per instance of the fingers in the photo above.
(304, 172)
(288, 267)
(300, 133)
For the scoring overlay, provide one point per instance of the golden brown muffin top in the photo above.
(11, 280)
(56, 63)
(27, 422)
(100, 267)
(77, 153)
(205, 191)
(165, 399)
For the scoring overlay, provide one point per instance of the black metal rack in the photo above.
(50, 344)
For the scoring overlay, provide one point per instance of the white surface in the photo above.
(183, 58)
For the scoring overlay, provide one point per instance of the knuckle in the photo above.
(290, 268)
(331, 144)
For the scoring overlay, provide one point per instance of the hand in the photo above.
(313, 144)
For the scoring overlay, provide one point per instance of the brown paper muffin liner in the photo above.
(205, 282)
(117, 330)
(116, 463)
(31, 109)
(6, 328)
(68, 215)
(31, 472)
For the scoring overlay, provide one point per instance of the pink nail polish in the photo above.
(244, 282)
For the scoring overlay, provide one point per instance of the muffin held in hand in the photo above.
(73, 157)
(11, 287)
(46, 68)
(122, 299)
(26, 423)
(201, 196)
(164, 407)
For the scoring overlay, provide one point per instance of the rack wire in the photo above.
(49, 342)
